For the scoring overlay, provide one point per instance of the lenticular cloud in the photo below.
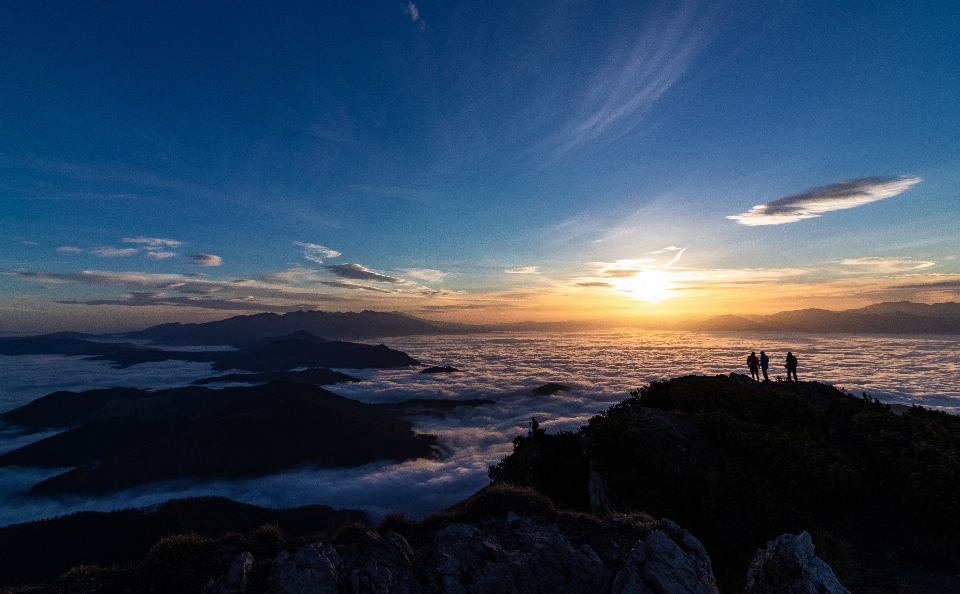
(813, 203)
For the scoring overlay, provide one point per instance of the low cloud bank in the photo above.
(600, 369)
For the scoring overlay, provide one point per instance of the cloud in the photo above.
(109, 252)
(358, 272)
(28, 242)
(316, 252)
(153, 242)
(634, 79)
(671, 248)
(594, 284)
(523, 270)
(354, 286)
(159, 254)
(675, 259)
(881, 265)
(427, 274)
(206, 260)
(69, 249)
(814, 202)
(411, 9)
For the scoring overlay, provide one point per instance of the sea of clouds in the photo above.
(600, 369)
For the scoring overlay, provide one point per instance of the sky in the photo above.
(474, 162)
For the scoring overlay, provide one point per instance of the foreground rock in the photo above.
(788, 566)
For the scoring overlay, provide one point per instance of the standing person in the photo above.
(791, 367)
(754, 364)
(764, 363)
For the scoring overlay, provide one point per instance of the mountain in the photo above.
(902, 317)
(121, 438)
(242, 330)
(297, 349)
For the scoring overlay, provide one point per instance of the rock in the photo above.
(235, 580)
(469, 561)
(599, 492)
(311, 570)
(669, 560)
(374, 564)
(444, 369)
(788, 566)
(550, 389)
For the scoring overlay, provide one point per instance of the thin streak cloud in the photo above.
(523, 270)
(206, 260)
(317, 253)
(69, 249)
(109, 252)
(154, 242)
(358, 272)
(817, 201)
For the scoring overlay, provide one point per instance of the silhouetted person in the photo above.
(764, 363)
(754, 365)
(791, 367)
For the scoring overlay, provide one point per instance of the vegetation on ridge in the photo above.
(738, 463)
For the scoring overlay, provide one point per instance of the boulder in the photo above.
(788, 566)
(671, 560)
(467, 560)
(235, 580)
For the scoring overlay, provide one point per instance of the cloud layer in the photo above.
(814, 202)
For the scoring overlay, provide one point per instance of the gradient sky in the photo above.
(491, 161)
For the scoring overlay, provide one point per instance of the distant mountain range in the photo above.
(242, 330)
(903, 317)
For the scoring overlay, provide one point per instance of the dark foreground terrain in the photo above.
(738, 462)
(784, 488)
(503, 539)
(42, 550)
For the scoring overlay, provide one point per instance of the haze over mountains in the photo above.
(902, 317)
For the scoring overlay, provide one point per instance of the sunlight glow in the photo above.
(649, 285)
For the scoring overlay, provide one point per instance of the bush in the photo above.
(177, 547)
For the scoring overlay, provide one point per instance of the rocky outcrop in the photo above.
(669, 560)
(788, 566)
(235, 580)
(515, 556)
(469, 561)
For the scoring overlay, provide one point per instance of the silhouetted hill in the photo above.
(123, 437)
(739, 462)
(242, 330)
(42, 550)
(882, 318)
(298, 349)
(317, 376)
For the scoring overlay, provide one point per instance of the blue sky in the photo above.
(474, 161)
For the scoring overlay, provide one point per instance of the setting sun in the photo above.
(649, 285)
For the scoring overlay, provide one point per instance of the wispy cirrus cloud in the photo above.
(635, 78)
(206, 260)
(159, 254)
(110, 252)
(317, 253)
(69, 249)
(523, 270)
(362, 273)
(817, 201)
(153, 242)
(887, 265)
(426, 274)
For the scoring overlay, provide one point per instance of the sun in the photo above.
(650, 285)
